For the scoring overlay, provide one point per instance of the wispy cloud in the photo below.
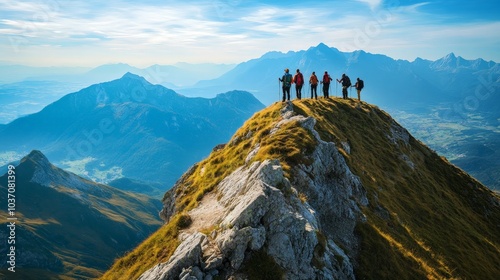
(148, 32)
(372, 3)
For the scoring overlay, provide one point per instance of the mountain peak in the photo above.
(34, 161)
(320, 48)
(36, 168)
(322, 45)
(325, 53)
(36, 156)
(238, 96)
(133, 76)
(450, 56)
(450, 61)
(315, 197)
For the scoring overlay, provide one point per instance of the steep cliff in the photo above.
(329, 189)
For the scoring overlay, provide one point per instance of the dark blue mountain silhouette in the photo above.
(129, 127)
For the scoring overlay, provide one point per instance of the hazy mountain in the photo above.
(107, 72)
(16, 73)
(24, 98)
(26, 90)
(68, 226)
(180, 74)
(129, 128)
(326, 189)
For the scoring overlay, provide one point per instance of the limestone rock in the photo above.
(186, 255)
(259, 209)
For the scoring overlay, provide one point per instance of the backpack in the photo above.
(326, 79)
(361, 84)
(346, 81)
(299, 79)
(287, 80)
(313, 80)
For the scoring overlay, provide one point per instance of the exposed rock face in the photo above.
(305, 225)
(188, 254)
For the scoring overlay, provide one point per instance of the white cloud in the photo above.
(92, 33)
(373, 4)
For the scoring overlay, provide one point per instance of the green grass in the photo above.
(441, 221)
(158, 248)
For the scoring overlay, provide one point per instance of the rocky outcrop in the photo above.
(305, 224)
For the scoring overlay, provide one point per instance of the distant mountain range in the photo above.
(388, 82)
(450, 103)
(129, 128)
(68, 226)
(25, 90)
(179, 74)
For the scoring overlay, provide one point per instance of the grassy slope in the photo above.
(430, 222)
(78, 233)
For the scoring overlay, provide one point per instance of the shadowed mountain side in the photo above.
(70, 227)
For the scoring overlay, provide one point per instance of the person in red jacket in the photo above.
(298, 79)
(326, 84)
(313, 81)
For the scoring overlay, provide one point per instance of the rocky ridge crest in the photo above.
(259, 209)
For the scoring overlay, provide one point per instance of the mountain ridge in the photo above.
(334, 189)
(69, 227)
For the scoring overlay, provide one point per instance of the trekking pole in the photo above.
(336, 86)
(279, 83)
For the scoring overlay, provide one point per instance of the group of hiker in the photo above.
(298, 79)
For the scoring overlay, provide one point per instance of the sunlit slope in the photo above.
(425, 218)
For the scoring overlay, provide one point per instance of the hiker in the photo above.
(298, 79)
(326, 84)
(287, 82)
(359, 86)
(313, 81)
(346, 83)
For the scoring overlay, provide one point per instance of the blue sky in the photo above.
(142, 33)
